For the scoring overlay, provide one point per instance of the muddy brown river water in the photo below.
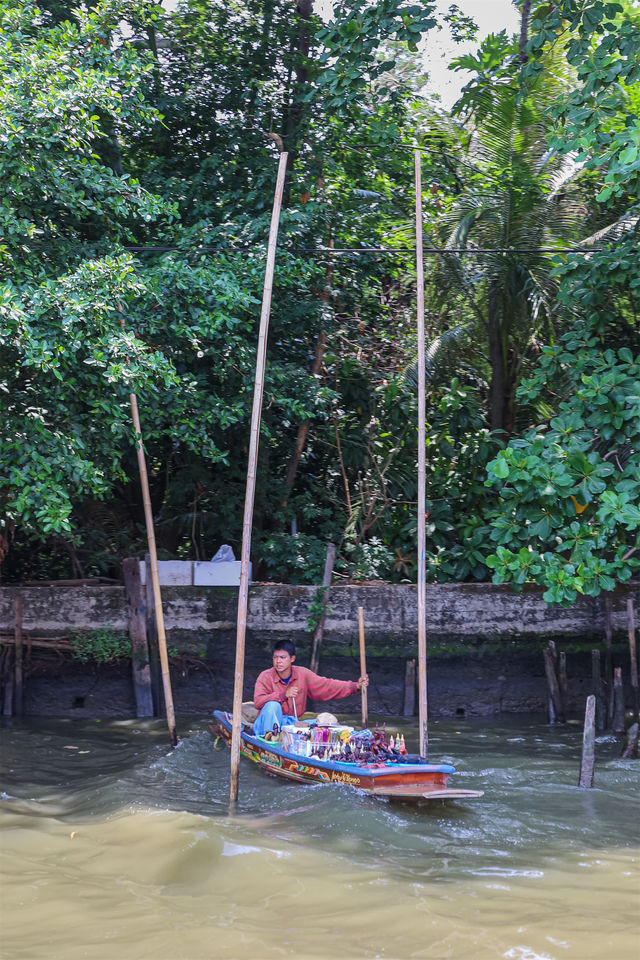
(115, 849)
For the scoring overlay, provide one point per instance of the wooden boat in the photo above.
(402, 781)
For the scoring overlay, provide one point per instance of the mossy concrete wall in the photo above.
(484, 643)
(198, 618)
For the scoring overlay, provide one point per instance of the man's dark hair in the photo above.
(284, 645)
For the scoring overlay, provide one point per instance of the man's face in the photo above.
(282, 661)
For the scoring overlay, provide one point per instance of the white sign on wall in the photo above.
(187, 573)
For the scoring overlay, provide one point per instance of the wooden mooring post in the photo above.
(409, 704)
(562, 683)
(588, 745)
(7, 702)
(633, 655)
(318, 633)
(363, 666)
(151, 632)
(630, 749)
(140, 663)
(608, 661)
(17, 631)
(601, 706)
(556, 711)
(618, 724)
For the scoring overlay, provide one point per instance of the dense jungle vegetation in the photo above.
(139, 150)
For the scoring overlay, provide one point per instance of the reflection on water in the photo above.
(115, 849)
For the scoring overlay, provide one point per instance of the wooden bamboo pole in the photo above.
(155, 580)
(318, 633)
(409, 701)
(608, 661)
(601, 707)
(153, 564)
(422, 473)
(7, 704)
(633, 655)
(363, 666)
(151, 630)
(618, 722)
(556, 714)
(256, 416)
(17, 625)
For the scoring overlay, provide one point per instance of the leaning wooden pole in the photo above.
(363, 667)
(318, 633)
(422, 473)
(633, 657)
(256, 416)
(153, 564)
(155, 579)
(17, 627)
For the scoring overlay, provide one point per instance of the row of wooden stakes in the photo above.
(605, 706)
(607, 689)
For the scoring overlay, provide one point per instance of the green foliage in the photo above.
(352, 40)
(128, 125)
(63, 361)
(100, 646)
(570, 488)
(318, 608)
(296, 557)
(371, 560)
(593, 116)
(514, 203)
(66, 368)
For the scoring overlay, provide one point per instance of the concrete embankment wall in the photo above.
(484, 641)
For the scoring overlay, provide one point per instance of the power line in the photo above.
(331, 251)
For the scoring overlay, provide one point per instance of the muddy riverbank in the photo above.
(473, 680)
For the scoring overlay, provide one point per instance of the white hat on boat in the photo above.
(326, 719)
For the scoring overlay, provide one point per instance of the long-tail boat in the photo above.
(393, 780)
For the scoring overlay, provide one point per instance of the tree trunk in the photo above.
(524, 30)
(260, 58)
(303, 428)
(293, 113)
(497, 361)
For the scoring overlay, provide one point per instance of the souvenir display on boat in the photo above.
(342, 743)
(372, 761)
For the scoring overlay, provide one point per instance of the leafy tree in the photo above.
(166, 139)
(67, 368)
(61, 283)
(190, 315)
(512, 203)
(570, 486)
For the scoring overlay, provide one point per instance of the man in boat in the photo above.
(282, 691)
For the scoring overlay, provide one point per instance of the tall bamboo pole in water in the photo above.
(155, 579)
(363, 667)
(256, 415)
(153, 563)
(422, 471)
